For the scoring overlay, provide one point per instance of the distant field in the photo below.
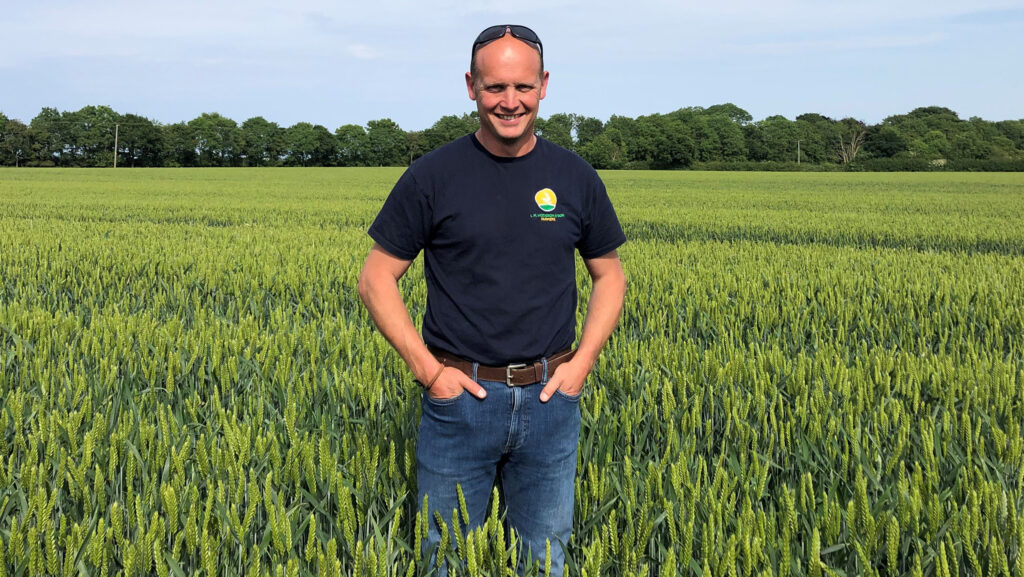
(815, 374)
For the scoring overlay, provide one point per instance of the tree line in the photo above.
(720, 136)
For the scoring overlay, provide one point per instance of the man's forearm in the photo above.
(384, 302)
(603, 312)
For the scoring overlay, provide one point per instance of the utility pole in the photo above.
(116, 126)
(798, 152)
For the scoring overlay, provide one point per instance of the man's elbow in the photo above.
(364, 287)
(620, 282)
(615, 278)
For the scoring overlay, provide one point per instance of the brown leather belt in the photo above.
(514, 375)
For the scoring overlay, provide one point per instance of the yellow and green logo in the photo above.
(546, 199)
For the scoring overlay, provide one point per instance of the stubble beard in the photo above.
(510, 141)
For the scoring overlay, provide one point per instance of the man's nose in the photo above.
(508, 99)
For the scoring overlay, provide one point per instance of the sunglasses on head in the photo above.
(521, 32)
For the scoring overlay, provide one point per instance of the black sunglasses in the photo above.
(521, 32)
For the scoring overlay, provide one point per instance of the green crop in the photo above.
(815, 374)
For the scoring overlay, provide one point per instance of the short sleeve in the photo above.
(601, 231)
(403, 224)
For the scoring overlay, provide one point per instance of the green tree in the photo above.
(300, 140)
(601, 152)
(1013, 130)
(352, 145)
(706, 133)
(309, 145)
(932, 146)
(778, 136)
(180, 147)
(325, 147)
(92, 135)
(50, 138)
(385, 143)
(216, 139)
(15, 141)
(885, 142)
(448, 128)
(557, 128)
(731, 144)
(753, 139)
(260, 142)
(994, 143)
(661, 142)
(936, 118)
(140, 142)
(818, 136)
(851, 134)
(621, 130)
(729, 110)
(587, 129)
(968, 145)
(928, 130)
(415, 144)
(707, 146)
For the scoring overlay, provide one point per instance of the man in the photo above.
(499, 215)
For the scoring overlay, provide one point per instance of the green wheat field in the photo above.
(815, 374)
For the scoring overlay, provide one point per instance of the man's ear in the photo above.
(469, 86)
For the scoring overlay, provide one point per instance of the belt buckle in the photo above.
(508, 372)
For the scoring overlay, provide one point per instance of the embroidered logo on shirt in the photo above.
(546, 199)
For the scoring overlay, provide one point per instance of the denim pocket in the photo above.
(571, 398)
(443, 402)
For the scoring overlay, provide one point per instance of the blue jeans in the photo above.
(510, 436)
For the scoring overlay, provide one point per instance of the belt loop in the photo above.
(475, 365)
(544, 373)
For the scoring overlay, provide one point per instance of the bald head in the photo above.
(504, 48)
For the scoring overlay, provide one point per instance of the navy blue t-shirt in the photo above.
(498, 237)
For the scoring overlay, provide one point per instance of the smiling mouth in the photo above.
(510, 117)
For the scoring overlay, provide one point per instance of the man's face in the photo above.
(507, 87)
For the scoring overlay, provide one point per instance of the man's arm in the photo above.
(378, 289)
(603, 312)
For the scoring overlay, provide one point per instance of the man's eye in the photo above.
(524, 88)
(495, 89)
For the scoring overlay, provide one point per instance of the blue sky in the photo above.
(334, 63)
